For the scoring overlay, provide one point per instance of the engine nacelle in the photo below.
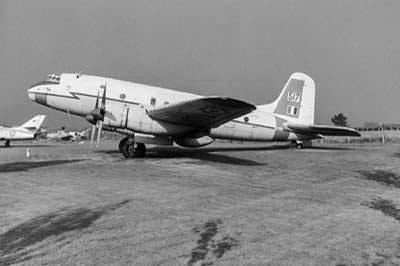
(90, 119)
(194, 142)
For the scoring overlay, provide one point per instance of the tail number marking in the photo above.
(293, 97)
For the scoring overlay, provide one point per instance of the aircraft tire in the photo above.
(299, 146)
(134, 150)
(122, 144)
(7, 143)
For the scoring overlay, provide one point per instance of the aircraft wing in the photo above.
(323, 130)
(202, 112)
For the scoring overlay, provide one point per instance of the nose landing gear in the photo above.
(131, 149)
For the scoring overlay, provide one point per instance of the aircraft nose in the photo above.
(31, 93)
(38, 93)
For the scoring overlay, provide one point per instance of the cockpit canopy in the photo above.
(54, 78)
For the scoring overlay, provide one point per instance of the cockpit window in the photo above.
(54, 78)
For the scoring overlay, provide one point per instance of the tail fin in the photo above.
(34, 123)
(296, 101)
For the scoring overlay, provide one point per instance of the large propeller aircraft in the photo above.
(153, 115)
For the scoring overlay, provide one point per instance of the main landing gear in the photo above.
(7, 143)
(301, 144)
(131, 149)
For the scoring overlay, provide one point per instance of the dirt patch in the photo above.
(208, 247)
(14, 243)
(387, 207)
(383, 177)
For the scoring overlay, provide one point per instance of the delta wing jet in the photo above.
(153, 115)
(27, 131)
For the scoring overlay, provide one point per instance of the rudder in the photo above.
(296, 101)
(34, 123)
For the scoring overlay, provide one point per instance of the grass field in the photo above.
(220, 205)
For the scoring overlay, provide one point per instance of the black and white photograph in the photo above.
(200, 133)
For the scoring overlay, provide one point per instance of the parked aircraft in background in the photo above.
(27, 131)
(61, 134)
(148, 114)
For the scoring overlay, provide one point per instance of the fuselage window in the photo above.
(153, 101)
(246, 119)
(166, 102)
(122, 96)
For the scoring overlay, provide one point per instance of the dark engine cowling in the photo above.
(194, 142)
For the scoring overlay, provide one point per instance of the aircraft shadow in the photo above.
(207, 153)
(16, 241)
(200, 155)
(26, 165)
(203, 156)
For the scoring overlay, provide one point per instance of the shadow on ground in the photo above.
(14, 243)
(26, 165)
(204, 153)
(200, 155)
(387, 207)
(205, 157)
(386, 178)
(28, 145)
(209, 153)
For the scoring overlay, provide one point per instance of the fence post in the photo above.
(383, 134)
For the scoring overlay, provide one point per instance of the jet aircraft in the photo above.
(153, 115)
(27, 131)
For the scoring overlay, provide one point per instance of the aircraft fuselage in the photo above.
(12, 133)
(127, 104)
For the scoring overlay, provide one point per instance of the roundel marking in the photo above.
(12, 133)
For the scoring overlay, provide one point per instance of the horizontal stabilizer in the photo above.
(202, 112)
(323, 130)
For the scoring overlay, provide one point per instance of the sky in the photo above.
(236, 48)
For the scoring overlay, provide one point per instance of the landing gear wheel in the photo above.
(122, 143)
(134, 150)
(299, 146)
(7, 143)
(303, 144)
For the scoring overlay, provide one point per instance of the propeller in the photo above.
(96, 117)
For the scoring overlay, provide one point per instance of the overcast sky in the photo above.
(243, 49)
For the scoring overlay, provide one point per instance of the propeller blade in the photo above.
(92, 137)
(97, 101)
(103, 99)
(99, 132)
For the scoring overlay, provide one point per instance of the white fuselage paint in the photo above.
(127, 102)
(15, 133)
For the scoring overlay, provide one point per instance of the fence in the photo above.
(369, 135)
